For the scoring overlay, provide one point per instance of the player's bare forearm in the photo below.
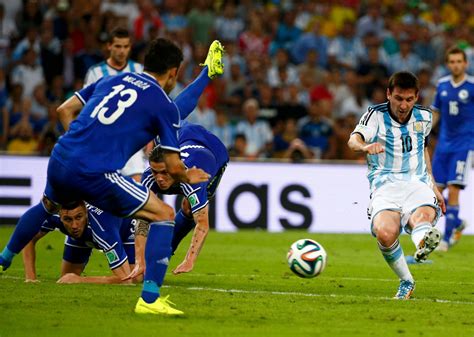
(357, 144)
(29, 261)
(29, 258)
(201, 230)
(71, 278)
(142, 228)
(178, 171)
(68, 111)
(119, 274)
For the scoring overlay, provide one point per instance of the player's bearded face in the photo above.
(119, 50)
(402, 102)
(457, 64)
(162, 177)
(74, 220)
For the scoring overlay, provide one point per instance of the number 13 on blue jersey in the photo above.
(100, 110)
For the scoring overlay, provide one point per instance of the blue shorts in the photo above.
(111, 192)
(452, 168)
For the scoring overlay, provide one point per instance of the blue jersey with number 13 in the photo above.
(121, 114)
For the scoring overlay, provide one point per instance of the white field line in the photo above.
(327, 278)
(288, 293)
(291, 293)
(193, 274)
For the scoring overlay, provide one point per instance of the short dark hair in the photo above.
(455, 50)
(162, 55)
(403, 80)
(156, 155)
(118, 32)
(72, 205)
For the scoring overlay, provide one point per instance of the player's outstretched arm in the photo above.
(29, 258)
(69, 110)
(201, 218)
(119, 274)
(357, 144)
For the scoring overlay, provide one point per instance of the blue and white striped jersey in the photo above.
(103, 231)
(103, 69)
(455, 102)
(403, 159)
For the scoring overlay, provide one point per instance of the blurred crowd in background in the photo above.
(299, 74)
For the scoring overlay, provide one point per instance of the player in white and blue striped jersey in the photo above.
(393, 134)
(454, 101)
(119, 46)
(86, 228)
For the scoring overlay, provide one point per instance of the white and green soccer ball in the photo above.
(307, 258)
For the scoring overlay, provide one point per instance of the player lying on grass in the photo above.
(198, 148)
(393, 135)
(87, 228)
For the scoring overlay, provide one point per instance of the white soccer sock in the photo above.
(419, 232)
(396, 260)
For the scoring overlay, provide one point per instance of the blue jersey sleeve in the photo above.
(168, 120)
(85, 93)
(106, 235)
(436, 101)
(199, 156)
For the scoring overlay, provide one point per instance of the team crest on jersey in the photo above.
(112, 256)
(444, 93)
(463, 95)
(193, 200)
(418, 127)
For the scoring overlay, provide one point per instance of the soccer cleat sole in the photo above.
(428, 244)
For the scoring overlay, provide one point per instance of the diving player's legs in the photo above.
(213, 66)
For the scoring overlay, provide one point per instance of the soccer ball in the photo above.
(306, 258)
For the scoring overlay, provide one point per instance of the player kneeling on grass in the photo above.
(87, 228)
(393, 134)
(198, 148)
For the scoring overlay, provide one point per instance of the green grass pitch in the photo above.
(241, 286)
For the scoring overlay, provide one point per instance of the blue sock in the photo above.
(6, 258)
(452, 221)
(157, 254)
(188, 98)
(27, 227)
(183, 225)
